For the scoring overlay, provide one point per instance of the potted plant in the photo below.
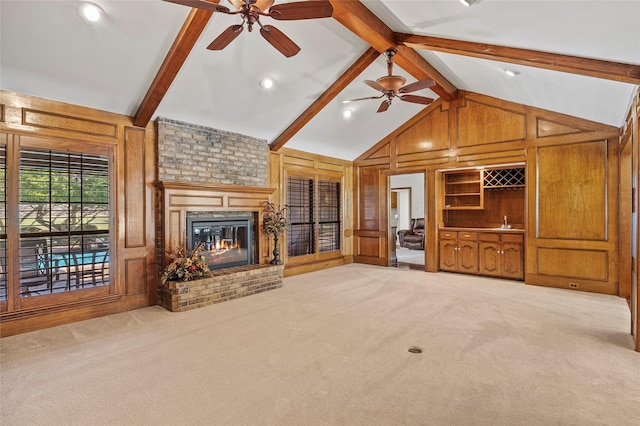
(275, 222)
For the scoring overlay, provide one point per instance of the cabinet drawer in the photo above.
(489, 236)
(512, 238)
(448, 235)
(467, 235)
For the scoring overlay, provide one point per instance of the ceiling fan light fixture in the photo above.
(347, 113)
(469, 2)
(90, 12)
(266, 83)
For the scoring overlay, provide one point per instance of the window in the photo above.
(315, 212)
(300, 194)
(329, 216)
(64, 221)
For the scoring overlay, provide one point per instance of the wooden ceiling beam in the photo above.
(183, 44)
(627, 73)
(343, 81)
(362, 22)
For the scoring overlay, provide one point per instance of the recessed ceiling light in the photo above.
(347, 113)
(469, 2)
(266, 83)
(511, 73)
(90, 12)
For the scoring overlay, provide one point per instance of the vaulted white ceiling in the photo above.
(47, 50)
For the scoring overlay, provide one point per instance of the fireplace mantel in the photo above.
(178, 198)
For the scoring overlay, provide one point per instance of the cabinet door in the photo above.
(512, 261)
(468, 256)
(448, 250)
(490, 258)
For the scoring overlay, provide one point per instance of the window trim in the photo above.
(316, 176)
(14, 144)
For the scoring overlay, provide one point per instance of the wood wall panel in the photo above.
(135, 272)
(572, 191)
(134, 184)
(244, 202)
(174, 230)
(369, 198)
(570, 263)
(429, 133)
(383, 151)
(369, 246)
(626, 213)
(419, 164)
(204, 200)
(497, 204)
(332, 167)
(546, 128)
(298, 161)
(480, 124)
(51, 120)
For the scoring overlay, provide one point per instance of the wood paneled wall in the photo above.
(571, 195)
(629, 228)
(287, 162)
(55, 124)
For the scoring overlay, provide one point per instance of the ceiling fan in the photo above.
(391, 87)
(251, 10)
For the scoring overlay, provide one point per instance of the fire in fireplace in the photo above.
(226, 240)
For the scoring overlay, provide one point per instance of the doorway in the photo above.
(407, 217)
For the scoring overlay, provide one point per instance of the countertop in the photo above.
(513, 230)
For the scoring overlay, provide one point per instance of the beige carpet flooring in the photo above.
(331, 348)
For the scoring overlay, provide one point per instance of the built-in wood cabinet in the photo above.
(495, 253)
(463, 190)
(501, 255)
(459, 251)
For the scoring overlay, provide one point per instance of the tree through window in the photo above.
(64, 221)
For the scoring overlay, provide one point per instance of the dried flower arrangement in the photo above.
(186, 267)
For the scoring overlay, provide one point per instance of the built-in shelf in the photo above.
(463, 190)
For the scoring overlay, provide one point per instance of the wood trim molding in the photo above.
(356, 17)
(165, 185)
(627, 73)
(343, 81)
(189, 34)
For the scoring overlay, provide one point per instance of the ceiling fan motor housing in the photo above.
(392, 82)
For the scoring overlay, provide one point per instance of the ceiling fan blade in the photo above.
(375, 85)
(301, 10)
(416, 99)
(362, 99)
(279, 40)
(226, 37)
(200, 4)
(418, 85)
(384, 106)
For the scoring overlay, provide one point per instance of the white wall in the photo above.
(415, 181)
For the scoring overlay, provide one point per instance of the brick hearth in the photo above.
(225, 284)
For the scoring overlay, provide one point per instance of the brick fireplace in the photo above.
(216, 175)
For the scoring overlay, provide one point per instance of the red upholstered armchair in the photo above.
(413, 238)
